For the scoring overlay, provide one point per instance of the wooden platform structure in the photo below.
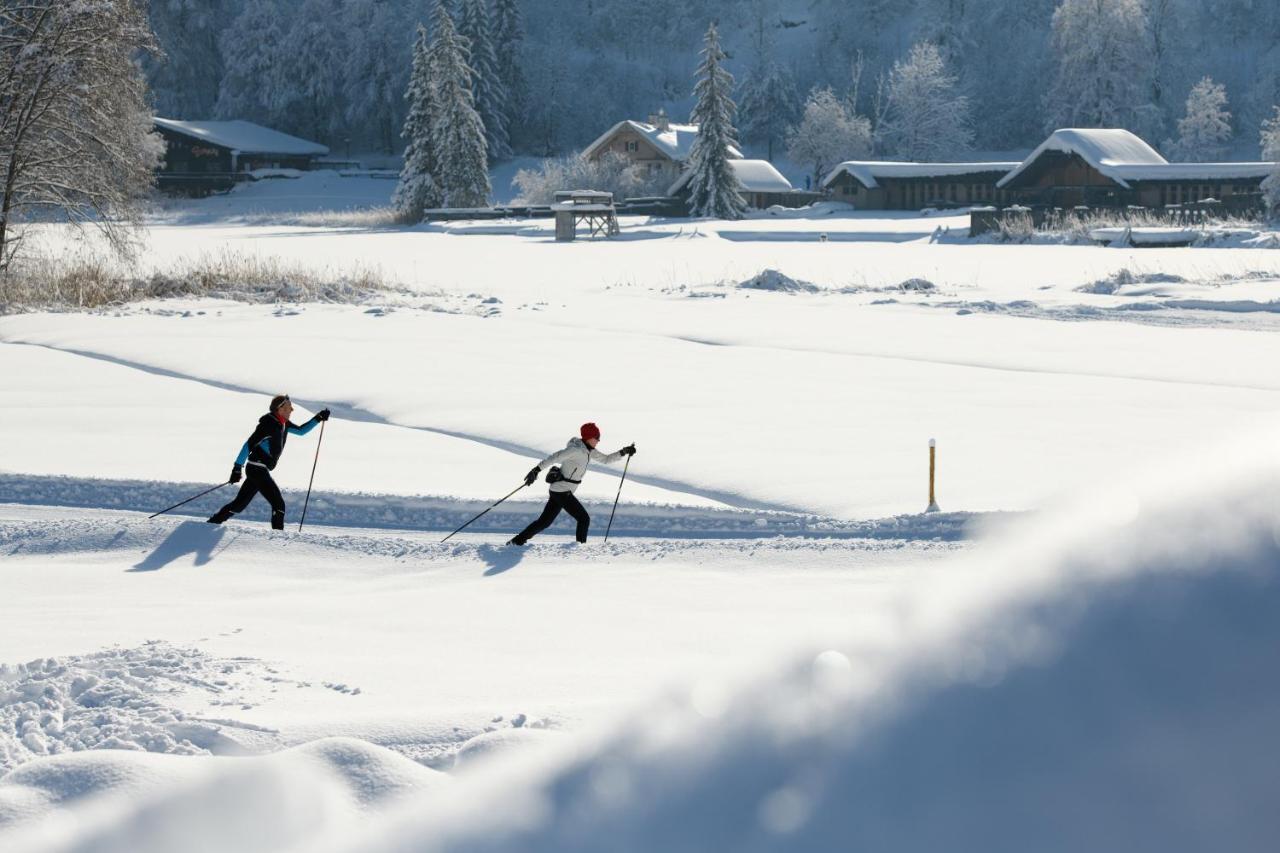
(595, 209)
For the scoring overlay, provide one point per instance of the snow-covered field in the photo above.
(774, 650)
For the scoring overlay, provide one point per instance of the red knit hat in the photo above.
(589, 431)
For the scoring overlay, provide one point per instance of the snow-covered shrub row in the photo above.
(611, 173)
(48, 283)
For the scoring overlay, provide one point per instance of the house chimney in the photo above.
(660, 120)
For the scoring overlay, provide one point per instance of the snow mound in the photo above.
(778, 282)
(1107, 683)
(502, 741)
(135, 800)
(374, 775)
(113, 700)
(1124, 278)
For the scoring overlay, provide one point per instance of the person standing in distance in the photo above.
(567, 468)
(261, 453)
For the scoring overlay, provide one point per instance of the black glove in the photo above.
(322, 415)
(236, 473)
(532, 476)
(629, 450)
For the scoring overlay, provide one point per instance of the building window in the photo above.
(632, 146)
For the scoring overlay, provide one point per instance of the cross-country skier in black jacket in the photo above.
(261, 453)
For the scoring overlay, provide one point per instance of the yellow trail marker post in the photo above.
(933, 453)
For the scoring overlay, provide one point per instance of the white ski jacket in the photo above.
(573, 461)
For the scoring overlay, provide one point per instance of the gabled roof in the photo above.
(675, 142)
(242, 136)
(1108, 150)
(866, 171)
(756, 176)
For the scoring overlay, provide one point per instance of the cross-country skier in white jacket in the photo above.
(572, 465)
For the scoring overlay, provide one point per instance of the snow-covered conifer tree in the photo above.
(1102, 79)
(252, 47)
(1271, 151)
(926, 117)
(1206, 128)
(419, 187)
(457, 130)
(306, 94)
(769, 103)
(508, 46)
(486, 81)
(378, 59)
(714, 187)
(828, 134)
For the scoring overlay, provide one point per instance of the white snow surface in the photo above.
(243, 136)
(1064, 690)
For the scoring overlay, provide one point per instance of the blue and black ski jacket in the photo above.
(266, 444)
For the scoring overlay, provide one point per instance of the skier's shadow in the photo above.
(189, 537)
(498, 559)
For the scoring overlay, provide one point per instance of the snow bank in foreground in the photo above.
(122, 801)
(1109, 684)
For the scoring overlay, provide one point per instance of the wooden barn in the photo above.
(1104, 167)
(207, 156)
(660, 146)
(1110, 167)
(883, 185)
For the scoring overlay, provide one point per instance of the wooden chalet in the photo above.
(207, 156)
(660, 146)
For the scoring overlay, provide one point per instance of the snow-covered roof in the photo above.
(1108, 150)
(756, 176)
(1195, 171)
(675, 141)
(243, 136)
(866, 171)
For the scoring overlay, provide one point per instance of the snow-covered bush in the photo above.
(612, 172)
(86, 283)
(828, 134)
(1204, 131)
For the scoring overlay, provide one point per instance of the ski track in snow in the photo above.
(398, 512)
(356, 413)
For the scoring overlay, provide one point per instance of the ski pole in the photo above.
(478, 517)
(615, 499)
(188, 500)
(313, 476)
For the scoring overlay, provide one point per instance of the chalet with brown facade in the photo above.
(762, 186)
(660, 146)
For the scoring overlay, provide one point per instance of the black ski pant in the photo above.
(557, 501)
(256, 480)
